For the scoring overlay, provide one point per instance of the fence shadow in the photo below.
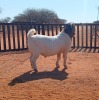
(88, 50)
(28, 76)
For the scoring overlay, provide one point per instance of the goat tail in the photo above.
(31, 32)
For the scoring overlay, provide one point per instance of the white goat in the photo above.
(50, 45)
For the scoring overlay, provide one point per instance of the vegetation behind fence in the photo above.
(13, 36)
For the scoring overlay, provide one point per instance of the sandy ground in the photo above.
(79, 82)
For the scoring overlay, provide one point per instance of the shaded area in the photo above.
(88, 50)
(29, 76)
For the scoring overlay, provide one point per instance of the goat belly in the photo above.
(51, 49)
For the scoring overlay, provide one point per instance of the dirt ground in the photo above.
(80, 81)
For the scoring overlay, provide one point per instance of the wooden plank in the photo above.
(4, 37)
(43, 30)
(86, 36)
(0, 35)
(9, 42)
(78, 36)
(82, 36)
(74, 42)
(56, 29)
(52, 26)
(90, 36)
(48, 29)
(38, 29)
(22, 26)
(13, 32)
(18, 38)
(26, 30)
(95, 37)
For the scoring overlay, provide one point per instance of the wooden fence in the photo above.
(13, 36)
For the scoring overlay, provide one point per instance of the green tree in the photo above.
(38, 16)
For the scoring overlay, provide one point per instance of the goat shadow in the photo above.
(28, 76)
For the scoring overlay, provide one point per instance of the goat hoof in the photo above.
(35, 70)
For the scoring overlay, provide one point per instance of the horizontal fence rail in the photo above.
(13, 36)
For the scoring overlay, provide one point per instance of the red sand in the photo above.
(79, 82)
